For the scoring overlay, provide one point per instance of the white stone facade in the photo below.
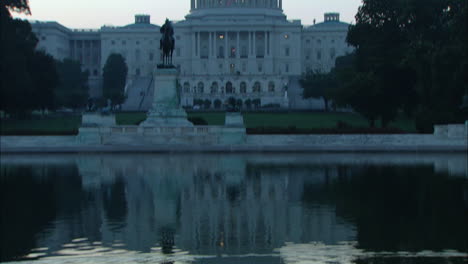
(241, 49)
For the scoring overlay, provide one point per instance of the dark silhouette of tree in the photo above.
(114, 79)
(73, 90)
(410, 56)
(318, 85)
(45, 80)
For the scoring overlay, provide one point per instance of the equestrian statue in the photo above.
(167, 44)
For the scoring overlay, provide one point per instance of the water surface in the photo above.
(217, 208)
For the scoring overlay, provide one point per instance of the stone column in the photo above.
(226, 45)
(198, 45)
(255, 44)
(265, 53)
(210, 45)
(193, 45)
(238, 45)
(249, 47)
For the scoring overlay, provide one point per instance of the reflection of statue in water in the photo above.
(167, 44)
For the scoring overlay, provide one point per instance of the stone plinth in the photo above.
(166, 109)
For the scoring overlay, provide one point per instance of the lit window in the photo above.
(286, 36)
(221, 36)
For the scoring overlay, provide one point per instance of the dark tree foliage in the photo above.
(412, 55)
(114, 79)
(318, 85)
(27, 77)
(18, 6)
(45, 80)
(73, 90)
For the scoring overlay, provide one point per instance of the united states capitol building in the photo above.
(245, 49)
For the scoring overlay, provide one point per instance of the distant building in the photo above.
(241, 49)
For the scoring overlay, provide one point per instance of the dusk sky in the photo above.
(95, 13)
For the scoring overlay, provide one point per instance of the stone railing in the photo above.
(451, 130)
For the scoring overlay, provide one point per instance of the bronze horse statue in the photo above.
(167, 44)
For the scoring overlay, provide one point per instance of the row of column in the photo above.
(88, 47)
(214, 39)
(195, 4)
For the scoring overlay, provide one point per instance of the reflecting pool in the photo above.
(218, 208)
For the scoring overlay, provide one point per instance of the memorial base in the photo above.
(166, 109)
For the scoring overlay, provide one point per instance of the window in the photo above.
(260, 67)
(124, 42)
(112, 42)
(137, 54)
(137, 72)
(201, 87)
(307, 41)
(332, 53)
(43, 38)
(244, 67)
(151, 56)
(138, 42)
(95, 72)
(221, 52)
(243, 52)
(319, 41)
(286, 67)
(286, 51)
(178, 37)
(186, 87)
(214, 88)
(178, 52)
(229, 88)
(271, 86)
(319, 55)
(232, 68)
(243, 88)
(233, 52)
(257, 88)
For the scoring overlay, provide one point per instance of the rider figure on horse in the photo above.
(167, 43)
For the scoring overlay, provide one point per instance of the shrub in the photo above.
(198, 121)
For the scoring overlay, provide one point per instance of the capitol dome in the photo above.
(201, 8)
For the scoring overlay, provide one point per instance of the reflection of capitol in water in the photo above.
(230, 208)
(203, 206)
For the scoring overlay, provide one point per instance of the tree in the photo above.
(73, 90)
(217, 104)
(257, 102)
(239, 103)
(207, 103)
(318, 85)
(248, 103)
(114, 79)
(44, 78)
(413, 52)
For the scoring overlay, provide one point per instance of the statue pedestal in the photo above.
(166, 109)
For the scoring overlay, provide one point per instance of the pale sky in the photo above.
(96, 13)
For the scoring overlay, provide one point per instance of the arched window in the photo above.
(229, 89)
(200, 87)
(214, 88)
(271, 86)
(243, 88)
(186, 87)
(257, 88)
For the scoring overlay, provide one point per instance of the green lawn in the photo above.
(314, 120)
(45, 126)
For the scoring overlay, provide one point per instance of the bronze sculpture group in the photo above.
(167, 44)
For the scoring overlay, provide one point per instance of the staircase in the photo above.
(139, 93)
